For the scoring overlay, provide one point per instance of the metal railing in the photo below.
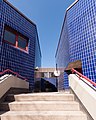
(80, 75)
(15, 73)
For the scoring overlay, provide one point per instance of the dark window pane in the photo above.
(42, 74)
(9, 36)
(22, 43)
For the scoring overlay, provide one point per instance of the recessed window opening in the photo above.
(15, 38)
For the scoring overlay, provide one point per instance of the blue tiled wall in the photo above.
(62, 56)
(38, 55)
(14, 58)
(81, 25)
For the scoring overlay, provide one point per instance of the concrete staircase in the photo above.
(41, 106)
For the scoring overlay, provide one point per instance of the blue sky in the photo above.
(48, 15)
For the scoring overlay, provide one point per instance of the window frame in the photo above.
(17, 35)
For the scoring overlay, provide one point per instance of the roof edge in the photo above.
(72, 5)
(19, 12)
(64, 22)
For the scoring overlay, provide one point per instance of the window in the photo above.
(42, 74)
(15, 38)
(46, 75)
(51, 74)
(10, 37)
(22, 43)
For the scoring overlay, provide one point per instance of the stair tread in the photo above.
(42, 102)
(40, 94)
(44, 113)
(40, 97)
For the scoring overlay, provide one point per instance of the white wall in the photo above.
(86, 94)
(12, 81)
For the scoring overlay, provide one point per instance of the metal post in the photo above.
(57, 83)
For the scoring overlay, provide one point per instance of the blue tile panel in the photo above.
(81, 31)
(14, 58)
(38, 55)
(62, 56)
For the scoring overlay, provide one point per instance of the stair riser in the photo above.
(42, 98)
(67, 117)
(40, 107)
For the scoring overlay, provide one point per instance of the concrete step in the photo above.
(44, 115)
(41, 97)
(40, 105)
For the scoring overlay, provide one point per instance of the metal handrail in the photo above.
(8, 70)
(87, 79)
